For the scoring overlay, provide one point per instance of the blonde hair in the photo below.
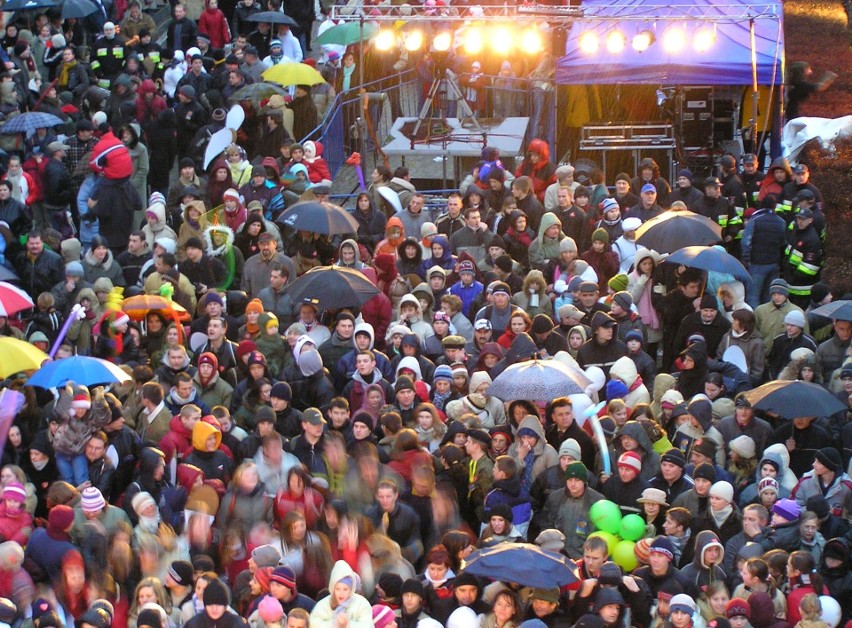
(810, 607)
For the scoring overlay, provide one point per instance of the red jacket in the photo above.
(213, 24)
(543, 174)
(111, 158)
(177, 441)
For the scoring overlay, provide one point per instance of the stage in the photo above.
(507, 135)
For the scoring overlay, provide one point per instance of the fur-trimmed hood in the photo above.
(208, 239)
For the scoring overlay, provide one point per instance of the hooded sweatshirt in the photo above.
(215, 464)
(415, 323)
(700, 572)
(160, 229)
(540, 458)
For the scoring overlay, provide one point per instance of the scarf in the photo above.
(439, 400)
(720, 516)
(347, 77)
(39, 466)
(738, 334)
(646, 307)
(438, 583)
(679, 544)
(150, 524)
(65, 72)
(527, 480)
(181, 400)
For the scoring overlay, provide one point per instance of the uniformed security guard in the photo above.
(803, 257)
(108, 56)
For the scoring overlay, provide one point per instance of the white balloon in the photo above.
(831, 612)
(580, 403)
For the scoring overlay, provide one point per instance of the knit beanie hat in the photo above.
(662, 545)
(624, 301)
(270, 610)
(282, 390)
(284, 575)
(682, 602)
(181, 572)
(266, 555)
(150, 617)
(382, 616)
(743, 445)
(786, 508)
(737, 607)
(413, 585)
(723, 490)
(15, 491)
(630, 460)
(829, 458)
(618, 282)
(674, 456)
(600, 235)
(577, 470)
(216, 593)
(60, 517)
(768, 484)
(254, 307)
(705, 471)
(91, 500)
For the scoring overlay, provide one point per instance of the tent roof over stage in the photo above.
(727, 62)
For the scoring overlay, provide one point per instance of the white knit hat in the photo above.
(743, 445)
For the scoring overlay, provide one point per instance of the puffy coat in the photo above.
(111, 158)
(240, 512)
(73, 433)
(543, 173)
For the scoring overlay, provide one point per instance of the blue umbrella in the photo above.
(710, 258)
(30, 121)
(78, 8)
(538, 380)
(78, 369)
(522, 563)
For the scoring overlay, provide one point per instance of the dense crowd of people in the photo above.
(276, 463)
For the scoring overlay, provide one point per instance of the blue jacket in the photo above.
(466, 294)
(47, 552)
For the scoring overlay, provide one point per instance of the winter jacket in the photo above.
(73, 433)
(571, 515)
(769, 320)
(650, 458)
(40, 274)
(593, 353)
(544, 455)
(213, 24)
(357, 609)
(239, 511)
(544, 249)
(838, 493)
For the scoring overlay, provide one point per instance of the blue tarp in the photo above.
(727, 62)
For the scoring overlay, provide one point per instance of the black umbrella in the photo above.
(316, 217)
(836, 310)
(26, 5)
(78, 8)
(332, 287)
(792, 399)
(673, 230)
(272, 17)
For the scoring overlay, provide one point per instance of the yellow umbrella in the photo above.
(293, 74)
(17, 355)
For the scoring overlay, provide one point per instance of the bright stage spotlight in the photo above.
(589, 43)
(643, 40)
(473, 41)
(502, 41)
(385, 40)
(442, 41)
(615, 42)
(531, 41)
(414, 41)
(674, 39)
(704, 38)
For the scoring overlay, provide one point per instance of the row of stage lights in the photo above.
(674, 40)
(474, 39)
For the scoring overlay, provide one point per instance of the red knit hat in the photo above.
(630, 460)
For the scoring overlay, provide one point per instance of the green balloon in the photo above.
(610, 539)
(632, 528)
(606, 516)
(624, 556)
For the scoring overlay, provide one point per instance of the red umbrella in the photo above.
(13, 299)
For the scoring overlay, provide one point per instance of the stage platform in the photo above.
(506, 134)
